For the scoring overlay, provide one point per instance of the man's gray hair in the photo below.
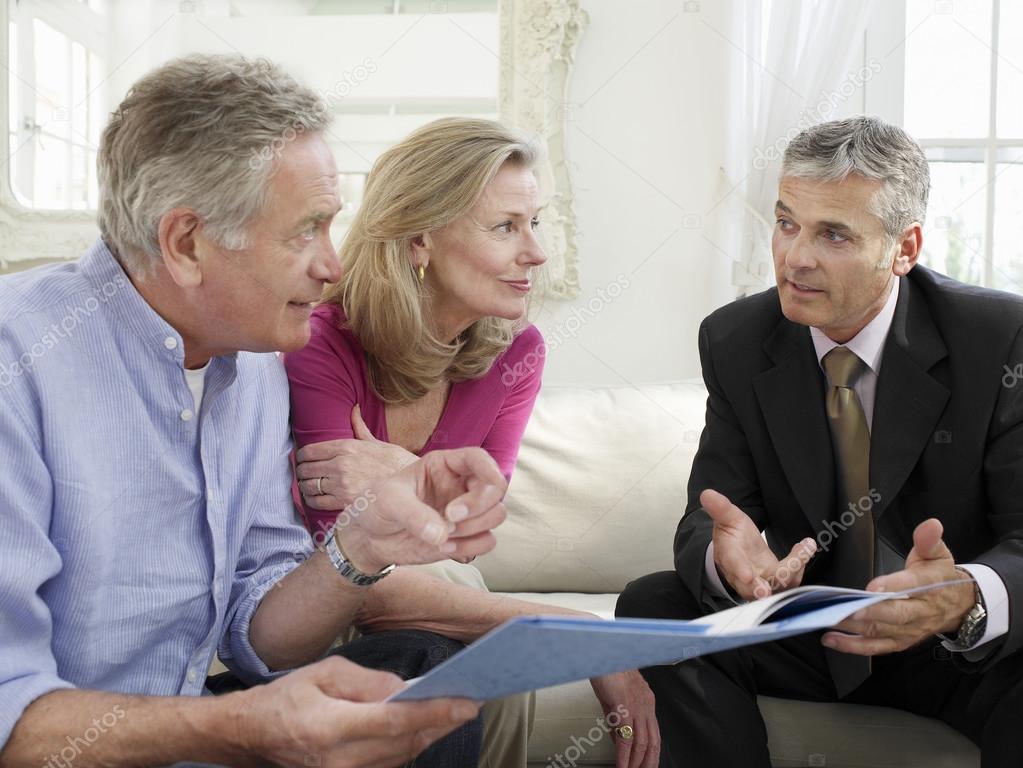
(200, 132)
(872, 148)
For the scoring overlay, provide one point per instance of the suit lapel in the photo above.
(791, 397)
(908, 401)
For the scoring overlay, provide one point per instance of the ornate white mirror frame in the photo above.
(538, 41)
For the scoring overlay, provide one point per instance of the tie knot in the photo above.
(843, 366)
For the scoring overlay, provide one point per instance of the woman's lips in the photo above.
(519, 285)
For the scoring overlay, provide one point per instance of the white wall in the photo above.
(645, 144)
(650, 106)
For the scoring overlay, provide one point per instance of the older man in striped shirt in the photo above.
(145, 513)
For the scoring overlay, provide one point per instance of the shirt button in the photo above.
(186, 415)
(192, 675)
(170, 342)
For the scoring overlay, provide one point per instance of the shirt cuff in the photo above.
(19, 694)
(996, 603)
(717, 587)
(236, 650)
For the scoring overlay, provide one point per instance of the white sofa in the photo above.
(598, 491)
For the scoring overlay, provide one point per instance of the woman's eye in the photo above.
(506, 227)
(534, 223)
(309, 235)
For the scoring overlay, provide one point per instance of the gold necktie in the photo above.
(854, 541)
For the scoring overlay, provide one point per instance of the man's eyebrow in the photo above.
(316, 217)
(836, 225)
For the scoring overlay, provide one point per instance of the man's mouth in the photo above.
(803, 288)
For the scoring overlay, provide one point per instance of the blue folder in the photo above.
(528, 653)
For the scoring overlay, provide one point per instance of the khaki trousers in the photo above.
(507, 723)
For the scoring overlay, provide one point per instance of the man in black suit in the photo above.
(865, 416)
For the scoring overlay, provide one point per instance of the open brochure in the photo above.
(528, 653)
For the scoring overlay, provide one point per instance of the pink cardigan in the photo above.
(329, 376)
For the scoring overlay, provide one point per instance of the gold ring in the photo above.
(624, 732)
(319, 486)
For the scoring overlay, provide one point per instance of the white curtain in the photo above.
(802, 64)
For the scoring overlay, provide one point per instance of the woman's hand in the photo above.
(334, 473)
(628, 701)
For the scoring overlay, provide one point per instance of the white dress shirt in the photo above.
(868, 345)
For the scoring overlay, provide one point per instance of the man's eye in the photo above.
(535, 223)
(834, 237)
(784, 224)
(309, 235)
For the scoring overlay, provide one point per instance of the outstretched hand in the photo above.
(743, 557)
(445, 505)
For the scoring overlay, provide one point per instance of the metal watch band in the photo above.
(973, 626)
(346, 569)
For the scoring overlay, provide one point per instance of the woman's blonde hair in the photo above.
(417, 186)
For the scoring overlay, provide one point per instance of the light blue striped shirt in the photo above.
(136, 537)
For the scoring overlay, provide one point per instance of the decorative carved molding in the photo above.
(27, 235)
(538, 42)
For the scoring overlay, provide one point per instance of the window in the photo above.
(55, 103)
(963, 74)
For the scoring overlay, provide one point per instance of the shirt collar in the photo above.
(114, 289)
(868, 344)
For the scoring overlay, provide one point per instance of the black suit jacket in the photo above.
(946, 442)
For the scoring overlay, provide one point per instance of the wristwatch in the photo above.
(344, 566)
(973, 626)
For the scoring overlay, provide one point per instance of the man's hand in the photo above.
(334, 473)
(442, 506)
(332, 713)
(896, 625)
(743, 557)
(627, 700)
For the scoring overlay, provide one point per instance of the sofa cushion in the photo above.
(598, 489)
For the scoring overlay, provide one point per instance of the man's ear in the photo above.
(421, 246)
(909, 248)
(179, 242)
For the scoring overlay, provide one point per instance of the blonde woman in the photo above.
(423, 344)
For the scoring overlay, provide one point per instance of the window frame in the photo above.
(31, 235)
(885, 96)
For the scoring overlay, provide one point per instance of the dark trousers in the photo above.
(407, 653)
(707, 707)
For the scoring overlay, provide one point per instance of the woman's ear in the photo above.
(179, 234)
(421, 250)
